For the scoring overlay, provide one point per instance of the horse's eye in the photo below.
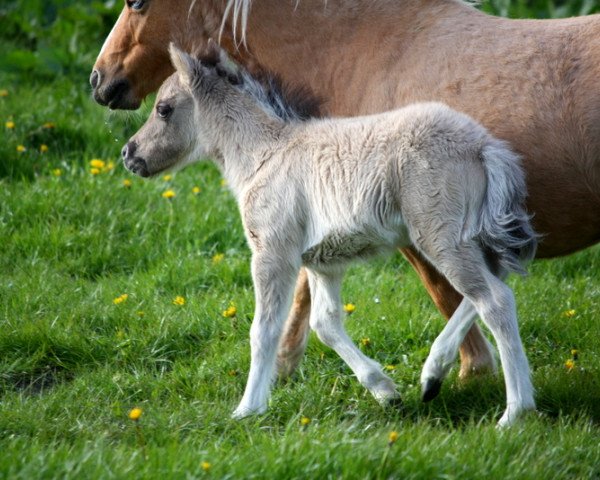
(163, 110)
(136, 4)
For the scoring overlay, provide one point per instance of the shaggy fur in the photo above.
(533, 83)
(323, 193)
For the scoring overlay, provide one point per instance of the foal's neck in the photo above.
(240, 139)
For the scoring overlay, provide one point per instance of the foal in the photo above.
(321, 193)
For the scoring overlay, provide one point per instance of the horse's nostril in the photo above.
(95, 79)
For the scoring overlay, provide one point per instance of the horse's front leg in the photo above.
(273, 277)
(476, 353)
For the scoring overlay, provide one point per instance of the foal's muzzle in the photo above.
(132, 163)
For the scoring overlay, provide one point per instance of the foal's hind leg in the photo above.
(476, 353)
(296, 330)
(465, 268)
(445, 349)
(326, 321)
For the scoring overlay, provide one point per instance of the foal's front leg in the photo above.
(273, 279)
(326, 321)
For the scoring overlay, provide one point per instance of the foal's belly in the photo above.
(336, 248)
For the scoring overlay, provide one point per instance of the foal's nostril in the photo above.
(95, 79)
(129, 150)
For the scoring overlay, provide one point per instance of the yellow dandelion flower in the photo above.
(120, 299)
(392, 437)
(304, 421)
(205, 466)
(135, 414)
(21, 148)
(390, 368)
(169, 194)
(109, 166)
(365, 342)
(127, 183)
(167, 178)
(43, 148)
(49, 125)
(3, 93)
(57, 172)
(574, 353)
(10, 124)
(230, 312)
(97, 163)
(196, 190)
(570, 364)
(95, 171)
(569, 313)
(218, 258)
(349, 308)
(179, 300)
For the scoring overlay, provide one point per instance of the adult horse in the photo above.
(531, 82)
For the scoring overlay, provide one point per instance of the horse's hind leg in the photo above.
(466, 269)
(476, 353)
(296, 330)
(326, 321)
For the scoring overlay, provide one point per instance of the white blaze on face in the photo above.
(111, 34)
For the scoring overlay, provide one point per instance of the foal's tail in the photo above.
(504, 227)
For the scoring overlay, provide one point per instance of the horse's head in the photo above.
(177, 133)
(134, 59)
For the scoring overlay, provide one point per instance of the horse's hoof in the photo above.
(431, 389)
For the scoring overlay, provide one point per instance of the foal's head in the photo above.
(205, 102)
(181, 128)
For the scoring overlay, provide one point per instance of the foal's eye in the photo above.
(136, 4)
(163, 110)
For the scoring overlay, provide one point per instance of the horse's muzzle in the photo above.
(116, 94)
(132, 163)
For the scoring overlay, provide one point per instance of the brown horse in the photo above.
(531, 82)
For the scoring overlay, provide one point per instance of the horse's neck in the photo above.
(315, 43)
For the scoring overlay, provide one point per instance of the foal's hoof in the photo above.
(431, 389)
(396, 403)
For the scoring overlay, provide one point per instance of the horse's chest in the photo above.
(340, 247)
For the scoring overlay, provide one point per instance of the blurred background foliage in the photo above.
(51, 37)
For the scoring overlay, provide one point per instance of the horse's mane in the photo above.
(240, 10)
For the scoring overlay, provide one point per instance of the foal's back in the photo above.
(350, 157)
(369, 174)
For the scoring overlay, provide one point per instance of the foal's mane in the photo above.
(285, 103)
(267, 90)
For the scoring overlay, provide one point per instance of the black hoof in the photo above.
(431, 389)
(396, 404)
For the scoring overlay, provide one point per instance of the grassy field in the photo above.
(92, 264)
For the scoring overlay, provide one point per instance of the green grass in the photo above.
(73, 363)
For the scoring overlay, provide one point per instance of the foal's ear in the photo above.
(186, 66)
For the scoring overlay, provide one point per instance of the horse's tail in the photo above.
(504, 228)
